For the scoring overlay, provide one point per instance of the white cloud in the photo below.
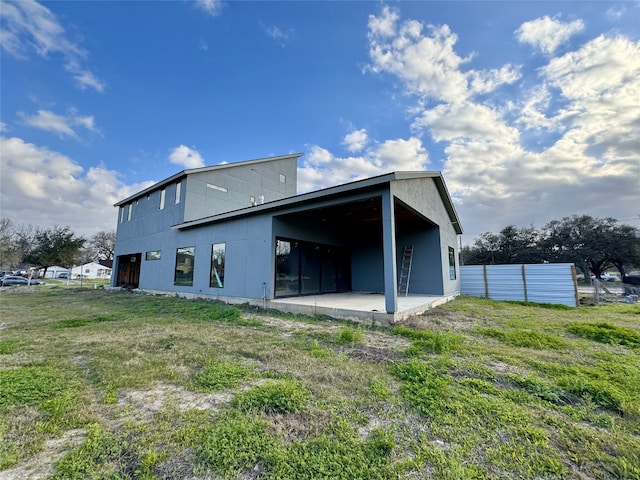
(321, 169)
(583, 113)
(547, 34)
(212, 7)
(29, 26)
(383, 25)
(427, 64)
(186, 157)
(278, 34)
(356, 140)
(62, 125)
(51, 189)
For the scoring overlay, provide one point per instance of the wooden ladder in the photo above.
(405, 271)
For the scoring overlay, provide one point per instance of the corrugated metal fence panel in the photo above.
(505, 282)
(472, 280)
(545, 283)
(551, 283)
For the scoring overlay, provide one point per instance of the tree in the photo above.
(593, 244)
(511, 245)
(103, 245)
(55, 246)
(8, 253)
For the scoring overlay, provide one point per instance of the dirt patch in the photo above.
(292, 427)
(41, 466)
(142, 405)
(441, 319)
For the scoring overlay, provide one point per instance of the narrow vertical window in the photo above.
(217, 265)
(121, 214)
(178, 189)
(184, 266)
(452, 264)
(283, 179)
(162, 195)
(129, 214)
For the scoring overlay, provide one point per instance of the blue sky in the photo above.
(530, 109)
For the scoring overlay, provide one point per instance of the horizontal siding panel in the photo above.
(542, 283)
(472, 280)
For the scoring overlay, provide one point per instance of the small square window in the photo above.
(153, 255)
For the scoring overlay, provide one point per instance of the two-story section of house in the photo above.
(238, 232)
(144, 233)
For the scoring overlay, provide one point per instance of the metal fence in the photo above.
(540, 283)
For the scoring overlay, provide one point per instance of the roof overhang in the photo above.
(312, 198)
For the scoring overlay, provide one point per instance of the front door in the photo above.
(129, 270)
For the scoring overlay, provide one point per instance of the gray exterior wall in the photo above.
(147, 219)
(250, 235)
(241, 182)
(424, 197)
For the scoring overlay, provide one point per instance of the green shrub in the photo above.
(92, 459)
(538, 387)
(30, 385)
(8, 346)
(273, 397)
(525, 338)
(234, 443)
(81, 322)
(423, 385)
(350, 335)
(606, 333)
(329, 456)
(221, 375)
(429, 341)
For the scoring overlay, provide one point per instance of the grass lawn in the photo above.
(97, 384)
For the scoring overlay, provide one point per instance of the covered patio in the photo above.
(368, 308)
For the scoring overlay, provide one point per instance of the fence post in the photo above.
(486, 282)
(524, 283)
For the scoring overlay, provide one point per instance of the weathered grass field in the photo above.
(97, 384)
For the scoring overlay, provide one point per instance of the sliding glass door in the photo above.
(307, 268)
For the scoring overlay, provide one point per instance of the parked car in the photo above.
(63, 275)
(15, 280)
(610, 277)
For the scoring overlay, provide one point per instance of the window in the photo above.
(216, 187)
(252, 199)
(162, 195)
(153, 255)
(308, 268)
(452, 264)
(121, 214)
(217, 265)
(178, 188)
(129, 214)
(184, 266)
(283, 179)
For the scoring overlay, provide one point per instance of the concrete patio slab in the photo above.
(360, 306)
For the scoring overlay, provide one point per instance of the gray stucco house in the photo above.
(239, 232)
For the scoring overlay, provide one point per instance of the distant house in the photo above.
(238, 232)
(92, 270)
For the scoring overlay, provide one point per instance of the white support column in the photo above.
(389, 252)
